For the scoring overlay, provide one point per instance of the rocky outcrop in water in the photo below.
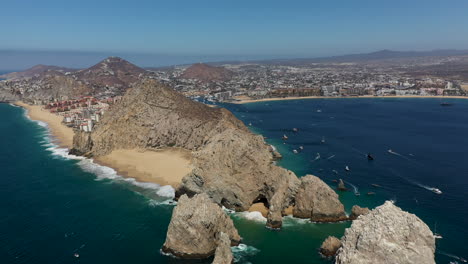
(317, 201)
(223, 253)
(341, 185)
(330, 246)
(387, 234)
(198, 227)
(356, 211)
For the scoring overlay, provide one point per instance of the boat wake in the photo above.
(316, 157)
(432, 189)
(355, 189)
(331, 157)
(451, 256)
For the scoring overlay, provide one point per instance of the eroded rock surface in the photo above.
(330, 246)
(317, 201)
(196, 228)
(356, 211)
(223, 254)
(387, 234)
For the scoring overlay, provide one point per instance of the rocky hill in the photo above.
(232, 165)
(206, 73)
(387, 234)
(35, 71)
(112, 76)
(111, 72)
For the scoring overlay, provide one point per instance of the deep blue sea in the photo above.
(54, 205)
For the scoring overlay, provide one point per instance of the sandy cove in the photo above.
(163, 167)
(246, 100)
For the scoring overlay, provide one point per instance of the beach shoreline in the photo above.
(247, 101)
(59, 131)
(163, 167)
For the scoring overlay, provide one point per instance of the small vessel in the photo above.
(250, 124)
(334, 171)
(76, 255)
(437, 236)
(357, 193)
(346, 168)
(301, 147)
(376, 185)
(323, 140)
(334, 180)
(446, 104)
(319, 110)
(285, 137)
(295, 130)
(371, 193)
(295, 151)
(369, 156)
(436, 191)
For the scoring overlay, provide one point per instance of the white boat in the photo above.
(323, 140)
(250, 124)
(435, 190)
(301, 147)
(346, 168)
(295, 129)
(76, 255)
(319, 110)
(285, 137)
(295, 151)
(437, 236)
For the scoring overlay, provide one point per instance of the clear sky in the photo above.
(253, 28)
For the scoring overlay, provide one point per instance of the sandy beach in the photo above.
(246, 100)
(62, 133)
(164, 167)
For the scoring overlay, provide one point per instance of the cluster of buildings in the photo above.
(345, 79)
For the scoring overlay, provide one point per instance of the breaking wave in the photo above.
(159, 194)
(242, 252)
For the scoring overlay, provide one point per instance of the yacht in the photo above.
(295, 151)
(346, 168)
(301, 147)
(285, 137)
(295, 130)
(435, 190)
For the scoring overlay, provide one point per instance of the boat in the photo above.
(369, 156)
(446, 104)
(285, 137)
(323, 140)
(435, 190)
(334, 171)
(76, 255)
(357, 193)
(437, 236)
(295, 130)
(295, 151)
(376, 185)
(319, 110)
(301, 147)
(250, 124)
(371, 193)
(346, 168)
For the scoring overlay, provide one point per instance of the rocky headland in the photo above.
(233, 166)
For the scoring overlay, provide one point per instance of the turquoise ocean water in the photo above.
(54, 205)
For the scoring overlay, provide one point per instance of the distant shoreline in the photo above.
(247, 101)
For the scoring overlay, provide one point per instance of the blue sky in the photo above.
(252, 28)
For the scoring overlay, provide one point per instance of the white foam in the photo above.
(253, 216)
(243, 251)
(289, 220)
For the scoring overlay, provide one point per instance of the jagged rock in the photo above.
(356, 211)
(341, 185)
(223, 253)
(196, 226)
(317, 201)
(281, 200)
(330, 246)
(387, 235)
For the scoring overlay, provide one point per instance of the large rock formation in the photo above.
(198, 227)
(223, 253)
(356, 211)
(231, 164)
(387, 235)
(330, 246)
(317, 201)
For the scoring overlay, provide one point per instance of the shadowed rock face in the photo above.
(387, 235)
(197, 227)
(317, 201)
